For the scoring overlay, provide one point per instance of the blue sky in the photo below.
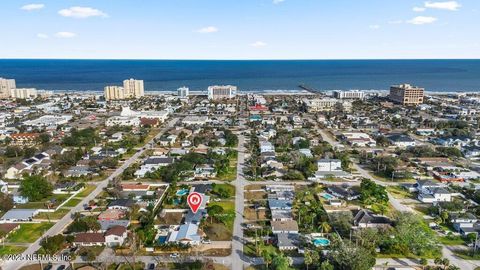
(240, 29)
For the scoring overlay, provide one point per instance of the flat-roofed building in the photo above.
(407, 94)
(113, 92)
(133, 88)
(351, 94)
(183, 92)
(6, 86)
(23, 93)
(217, 92)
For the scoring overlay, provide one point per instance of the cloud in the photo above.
(42, 36)
(82, 12)
(374, 26)
(419, 20)
(31, 7)
(419, 9)
(207, 30)
(278, 1)
(447, 5)
(65, 35)
(258, 44)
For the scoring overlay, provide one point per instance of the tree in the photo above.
(6, 202)
(346, 256)
(35, 187)
(52, 244)
(325, 265)
(44, 138)
(371, 193)
(325, 227)
(213, 211)
(281, 262)
(267, 256)
(307, 258)
(423, 262)
(342, 222)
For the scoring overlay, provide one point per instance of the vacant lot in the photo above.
(217, 232)
(255, 195)
(29, 232)
(170, 219)
(253, 215)
(11, 250)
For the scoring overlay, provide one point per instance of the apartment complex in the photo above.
(131, 89)
(183, 92)
(351, 94)
(23, 93)
(217, 92)
(6, 86)
(407, 94)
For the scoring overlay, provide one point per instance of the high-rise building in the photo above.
(351, 94)
(133, 88)
(183, 92)
(114, 92)
(6, 86)
(221, 92)
(23, 93)
(407, 94)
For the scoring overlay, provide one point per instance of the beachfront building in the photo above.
(23, 93)
(183, 92)
(217, 92)
(133, 88)
(320, 104)
(351, 94)
(407, 94)
(6, 86)
(114, 93)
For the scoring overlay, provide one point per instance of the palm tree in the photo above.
(325, 227)
(307, 258)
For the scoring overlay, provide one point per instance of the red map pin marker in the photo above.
(194, 200)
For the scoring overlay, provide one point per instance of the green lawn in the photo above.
(86, 191)
(399, 192)
(219, 188)
(72, 202)
(467, 254)
(11, 250)
(250, 250)
(451, 240)
(60, 213)
(42, 205)
(29, 232)
(226, 205)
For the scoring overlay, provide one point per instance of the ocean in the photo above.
(261, 75)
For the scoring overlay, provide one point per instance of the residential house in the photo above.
(367, 219)
(287, 226)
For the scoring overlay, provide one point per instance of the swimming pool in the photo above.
(321, 242)
(327, 196)
(182, 192)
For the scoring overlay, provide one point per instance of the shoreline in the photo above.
(262, 92)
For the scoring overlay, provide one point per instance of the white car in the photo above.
(174, 255)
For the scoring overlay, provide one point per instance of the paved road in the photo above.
(237, 257)
(67, 219)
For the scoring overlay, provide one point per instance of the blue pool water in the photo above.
(327, 196)
(162, 239)
(182, 192)
(322, 242)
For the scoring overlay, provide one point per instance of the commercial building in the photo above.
(183, 92)
(6, 86)
(351, 94)
(217, 92)
(407, 94)
(23, 93)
